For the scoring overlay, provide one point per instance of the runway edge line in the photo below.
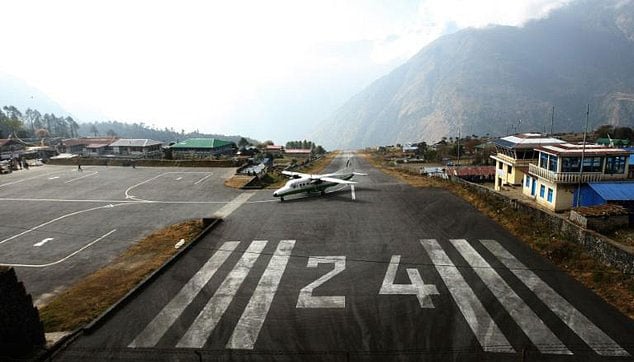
(101, 319)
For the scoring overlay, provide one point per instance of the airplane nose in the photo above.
(275, 194)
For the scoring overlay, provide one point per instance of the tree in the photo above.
(111, 133)
(41, 133)
(94, 130)
(73, 126)
(243, 142)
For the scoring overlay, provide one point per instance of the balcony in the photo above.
(572, 177)
(510, 160)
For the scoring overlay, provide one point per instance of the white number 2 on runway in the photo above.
(306, 298)
(417, 287)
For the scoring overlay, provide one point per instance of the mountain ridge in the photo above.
(500, 79)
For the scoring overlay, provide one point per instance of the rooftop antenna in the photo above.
(552, 120)
(583, 154)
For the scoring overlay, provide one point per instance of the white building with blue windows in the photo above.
(561, 169)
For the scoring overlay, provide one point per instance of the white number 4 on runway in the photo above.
(422, 291)
(417, 287)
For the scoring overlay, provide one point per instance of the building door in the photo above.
(533, 187)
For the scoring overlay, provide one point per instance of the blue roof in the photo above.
(614, 191)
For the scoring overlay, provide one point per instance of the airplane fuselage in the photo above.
(309, 185)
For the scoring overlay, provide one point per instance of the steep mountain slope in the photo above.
(16, 92)
(501, 79)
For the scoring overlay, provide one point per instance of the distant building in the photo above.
(478, 174)
(79, 146)
(410, 148)
(136, 147)
(202, 147)
(554, 178)
(514, 153)
(298, 152)
(274, 150)
(10, 148)
(613, 142)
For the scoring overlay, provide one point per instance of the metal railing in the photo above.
(572, 177)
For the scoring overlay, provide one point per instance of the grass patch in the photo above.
(238, 181)
(609, 283)
(91, 296)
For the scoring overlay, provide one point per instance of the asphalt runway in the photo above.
(59, 224)
(381, 272)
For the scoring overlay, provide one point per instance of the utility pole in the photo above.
(458, 146)
(583, 154)
(552, 120)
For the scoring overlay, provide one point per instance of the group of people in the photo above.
(18, 163)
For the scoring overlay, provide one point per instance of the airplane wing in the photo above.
(336, 180)
(296, 174)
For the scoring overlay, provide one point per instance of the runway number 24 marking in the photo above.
(416, 287)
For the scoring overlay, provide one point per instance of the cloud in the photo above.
(438, 17)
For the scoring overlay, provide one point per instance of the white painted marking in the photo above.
(354, 197)
(30, 178)
(57, 219)
(233, 205)
(44, 241)
(417, 287)
(198, 333)
(79, 178)
(179, 178)
(66, 257)
(203, 179)
(153, 332)
(53, 178)
(127, 191)
(179, 244)
(534, 328)
(482, 325)
(248, 328)
(600, 342)
(306, 298)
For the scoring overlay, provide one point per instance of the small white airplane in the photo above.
(303, 182)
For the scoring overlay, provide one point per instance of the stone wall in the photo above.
(21, 331)
(608, 251)
(90, 161)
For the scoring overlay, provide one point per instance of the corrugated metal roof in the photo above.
(134, 142)
(614, 191)
(201, 143)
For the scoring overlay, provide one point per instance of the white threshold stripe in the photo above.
(79, 178)
(600, 342)
(248, 328)
(200, 330)
(66, 257)
(534, 328)
(354, 197)
(153, 332)
(233, 205)
(482, 325)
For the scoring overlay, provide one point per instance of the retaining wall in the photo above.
(21, 331)
(143, 162)
(608, 251)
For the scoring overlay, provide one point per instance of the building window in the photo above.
(550, 194)
(570, 164)
(552, 163)
(615, 165)
(543, 160)
(592, 164)
(500, 165)
(510, 169)
(542, 191)
(527, 182)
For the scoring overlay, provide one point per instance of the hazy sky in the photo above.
(265, 69)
